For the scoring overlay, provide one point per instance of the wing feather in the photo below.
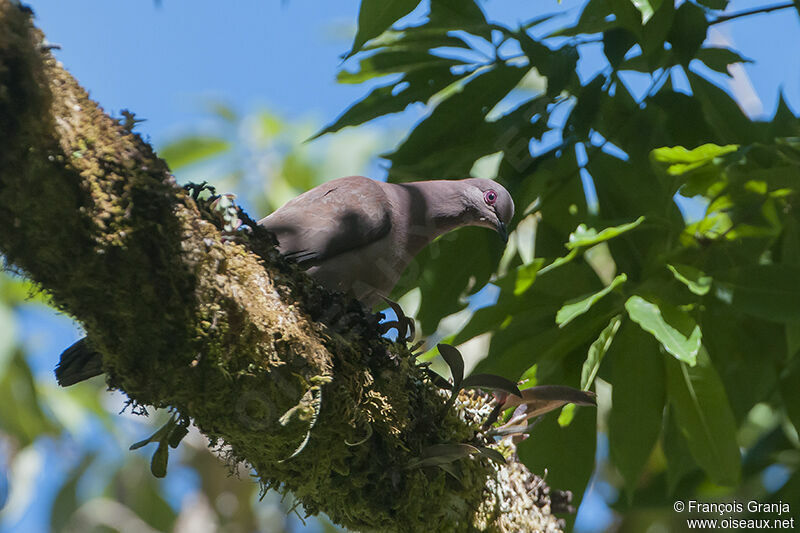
(333, 218)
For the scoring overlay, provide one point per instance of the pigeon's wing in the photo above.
(335, 217)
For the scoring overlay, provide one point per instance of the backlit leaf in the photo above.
(572, 310)
(677, 332)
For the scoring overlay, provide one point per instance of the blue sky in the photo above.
(164, 62)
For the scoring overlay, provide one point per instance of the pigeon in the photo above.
(357, 235)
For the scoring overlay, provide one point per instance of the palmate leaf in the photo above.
(688, 31)
(454, 135)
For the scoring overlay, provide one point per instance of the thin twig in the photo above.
(756, 11)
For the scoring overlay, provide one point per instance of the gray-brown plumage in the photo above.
(357, 236)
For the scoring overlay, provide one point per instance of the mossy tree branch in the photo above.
(260, 358)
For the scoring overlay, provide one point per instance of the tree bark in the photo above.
(287, 377)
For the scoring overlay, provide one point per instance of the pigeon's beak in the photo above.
(502, 231)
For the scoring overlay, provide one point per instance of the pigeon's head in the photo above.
(491, 204)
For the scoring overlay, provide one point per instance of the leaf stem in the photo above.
(756, 11)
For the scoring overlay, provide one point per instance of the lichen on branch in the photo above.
(293, 380)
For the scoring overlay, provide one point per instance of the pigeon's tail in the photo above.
(77, 363)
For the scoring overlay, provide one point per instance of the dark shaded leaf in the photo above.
(718, 59)
(416, 86)
(393, 61)
(558, 65)
(637, 376)
(627, 15)
(721, 111)
(655, 34)
(616, 43)
(158, 464)
(460, 14)
(377, 16)
(455, 134)
(688, 31)
(594, 19)
(705, 418)
(676, 451)
(491, 453)
(714, 4)
(177, 434)
(586, 108)
(454, 360)
(771, 292)
(490, 381)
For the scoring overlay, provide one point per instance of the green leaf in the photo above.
(676, 451)
(158, 464)
(718, 59)
(454, 360)
(714, 4)
(704, 417)
(677, 332)
(616, 43)
(460, 15)
(583, 237)
(192, 149)
(790, 391)
(688, 31)
(490, 381)
(491, 453)
(377, 16)
(790, 255)
(418, 85)
(721, 111)
(597, 351)
(579, 306)
(696, 280)
(645, 8)
(627, 14)
(771, 292)
(456, 134)
(637, 376)
(678, 160)
(394, 61)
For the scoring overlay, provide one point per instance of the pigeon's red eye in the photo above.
(490, 197)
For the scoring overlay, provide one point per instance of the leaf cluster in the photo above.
(665, 228)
